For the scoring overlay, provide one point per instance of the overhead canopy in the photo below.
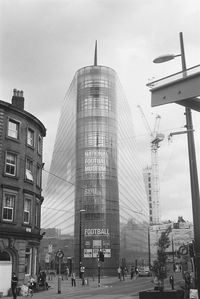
(182, 88)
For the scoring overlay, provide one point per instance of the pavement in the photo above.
(64, 288)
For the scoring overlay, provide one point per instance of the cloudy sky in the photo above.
(44, 42)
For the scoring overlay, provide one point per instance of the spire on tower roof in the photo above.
(95, 54)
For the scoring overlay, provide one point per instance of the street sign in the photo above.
(59, 254)
(183, 250)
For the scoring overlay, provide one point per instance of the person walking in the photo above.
(171, 281)
(119, 270)
(67, 272)
(132, 272)
(83, 275)
(14, 282)
(123, 273)
(73, 278)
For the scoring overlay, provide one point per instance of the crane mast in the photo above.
(154, 189)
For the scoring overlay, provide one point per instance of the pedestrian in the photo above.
(119, 270)
(123, 273)
(171, 281)
(73, 278)
(67, 272)
(82, 271)
(132, 272)
(31, 286)
(187, 284)
(14, 282)
(136, 272)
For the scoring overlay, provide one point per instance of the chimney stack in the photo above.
(18, 99)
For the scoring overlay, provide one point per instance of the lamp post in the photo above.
(149, 247)
(192, 164)
(80, 241)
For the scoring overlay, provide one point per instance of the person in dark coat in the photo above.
(132, 272)
(171, 281)
(14, 282)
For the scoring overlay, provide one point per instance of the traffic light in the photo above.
(191, 249)
(101, 256)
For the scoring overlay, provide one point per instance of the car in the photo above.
(144, 271)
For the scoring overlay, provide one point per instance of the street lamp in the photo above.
(165, 58)
(192, 164)
(80, 241)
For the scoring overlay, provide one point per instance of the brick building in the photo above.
(21, 142)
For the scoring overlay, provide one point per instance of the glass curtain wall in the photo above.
(134, 212)
(58, 206)
(95, 169)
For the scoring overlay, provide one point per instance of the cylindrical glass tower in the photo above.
(96, 191)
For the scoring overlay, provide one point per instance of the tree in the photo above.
(159, 266)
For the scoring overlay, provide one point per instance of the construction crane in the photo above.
(156, 138)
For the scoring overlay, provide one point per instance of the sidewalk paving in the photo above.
(67, 288)
(92, 283)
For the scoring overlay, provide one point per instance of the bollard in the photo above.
(59, 284)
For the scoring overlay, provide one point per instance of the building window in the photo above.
(39, 145)
(30, 137)
(96, 139)
(102, 103)
(28, 261)
(13, 129)
(8, 207)
(11, 164)
(38, 176)
(29, 169)
(37, 213)
(27, 210)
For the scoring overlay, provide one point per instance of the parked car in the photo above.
(144, 271)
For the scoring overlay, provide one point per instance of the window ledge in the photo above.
(29, 181)
(10, 176)
(30, 146)
(8, 222)
(26, 225)
(13, 139)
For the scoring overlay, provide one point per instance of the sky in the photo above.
(44, 42)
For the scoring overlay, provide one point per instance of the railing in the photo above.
(193, 71)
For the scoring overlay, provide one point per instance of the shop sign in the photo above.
(96, 232)
(87, 253)
(107, 253)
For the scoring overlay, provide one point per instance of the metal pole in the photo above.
(193, 177)
(80, 258)
(149, 247)
(99, 273)
(173, 254)
(59, 275)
